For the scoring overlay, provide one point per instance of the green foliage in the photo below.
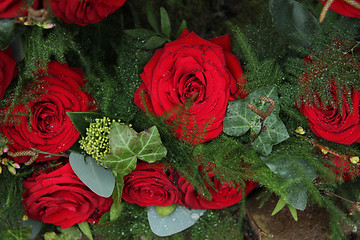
(11, 209)
(126, 146)
(82, 120)
(99, 179)
(8, 32)
(69, 233)
(293, 21)
(95, 139)
(239, 119)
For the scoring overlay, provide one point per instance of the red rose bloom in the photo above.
(343, 8)
(84, 12)
(12, 8)
(344, 169)
(61, 198)
(223, 196)
(204, 72)
(47, 127)
(150, 185)
(340, 124)
(331, 124)
(7, 70)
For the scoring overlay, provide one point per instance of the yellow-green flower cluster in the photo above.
(96, 142)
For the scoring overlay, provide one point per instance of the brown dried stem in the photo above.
(263, 115)
(354, 205)
(34, 154)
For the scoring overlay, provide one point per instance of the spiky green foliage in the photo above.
(11, 209)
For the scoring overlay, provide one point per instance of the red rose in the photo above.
(151, 185)
(191, 68)
(84, 12)
(12, 8)
(47, 127)
(340, 124)
(7, 70)
(343, 8)
(331, 124)
(223, 196)
(60, 198)
(344, 169)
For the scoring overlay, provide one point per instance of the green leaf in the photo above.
(140, 33)
(280, 205)
(166, 210)
(239, 119)
(36, 226)
(295, 173)
(126, 146)
(85, 228)
(151, 17)
(99, 179)
(6, 32)
(116, 207)
(165, 23)
(182, 27)
(293, 212)
(82, 120)
(154, 42)
(293, 20)
(69, 233)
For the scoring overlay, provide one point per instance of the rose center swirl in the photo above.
(191, 88)
(46, 117)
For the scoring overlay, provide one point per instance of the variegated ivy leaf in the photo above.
(126, 146)
(239, 119)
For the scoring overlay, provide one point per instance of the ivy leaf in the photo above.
(126, 146)
(82, 120)
(239, 119)
(295, 173)
(151, 17)
(6, 32)
(275, 133)
(165, 23)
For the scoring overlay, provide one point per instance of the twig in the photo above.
(354, 205)
(259, 230)
(263, 115)
(34, 154)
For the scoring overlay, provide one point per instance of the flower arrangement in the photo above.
(113, 126)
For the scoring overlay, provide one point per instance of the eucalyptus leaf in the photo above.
(126, 146)
(99, 179)
(293, 20)
(180, 219)
(154, 42)
(82, 120)
(151, 17)
(165, 23)
(239, 119)
(35, 226)
(6, 32)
